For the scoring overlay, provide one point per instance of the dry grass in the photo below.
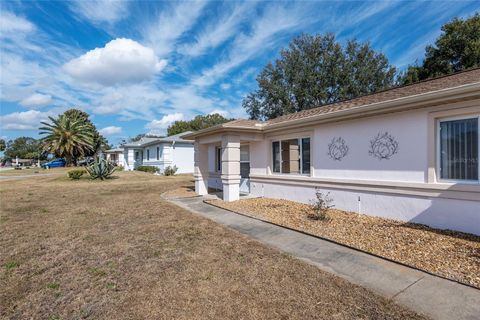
(454, 255)
(182, 192)
(115, 250)
(30, 171)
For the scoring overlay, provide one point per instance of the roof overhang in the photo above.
(432, 98)
(222, 129)
(439, 97)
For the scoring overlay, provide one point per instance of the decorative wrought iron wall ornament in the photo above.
(337, 149)
(383, 146)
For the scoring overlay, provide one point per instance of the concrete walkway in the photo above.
(432, 296)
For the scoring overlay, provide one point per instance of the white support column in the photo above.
(130, 159)
(231, 167)
(200, 171)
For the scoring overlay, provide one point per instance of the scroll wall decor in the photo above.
(337, 149)
(383, 146)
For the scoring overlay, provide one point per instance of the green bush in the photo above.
(170, 171)
(100, 169)
(75, 174)
(119, 168)
(150, 169)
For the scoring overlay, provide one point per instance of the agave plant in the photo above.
(100, 169)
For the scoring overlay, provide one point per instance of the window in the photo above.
(148, 154)
(218, 159)
(276, 156)
(291, 156)
(158, 153)
(458, 149)
(244, 161)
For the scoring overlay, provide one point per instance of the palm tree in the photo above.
(67, 137)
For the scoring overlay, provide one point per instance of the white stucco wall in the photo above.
(409, 164)
(462, 215)
(259, 156)
(182, 157)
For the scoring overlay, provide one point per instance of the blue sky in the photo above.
(138, 66)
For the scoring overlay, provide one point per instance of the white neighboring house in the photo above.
(158, 152)
(409, 153)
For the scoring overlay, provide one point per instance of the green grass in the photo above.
(53, 285)
(11, 264)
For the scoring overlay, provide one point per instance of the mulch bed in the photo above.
(450, 254)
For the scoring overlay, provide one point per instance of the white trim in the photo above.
(438, 147)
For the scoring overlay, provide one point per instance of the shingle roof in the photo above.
(435, 84)
(426, 86)
(151, 140)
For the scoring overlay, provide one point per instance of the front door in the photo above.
(244, 169)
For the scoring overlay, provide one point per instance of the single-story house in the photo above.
(158, 152)
(408, 153)
(115, 155)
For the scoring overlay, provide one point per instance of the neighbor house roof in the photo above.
(145, 141)
(360, 104)
(114, 150)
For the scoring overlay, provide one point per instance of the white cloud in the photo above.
(171, 24)
(36, 100)
(158, 127)
(265, 34)
(97, 11)
(28, 120)
(111, 130)
(218, 32)
(120, 61)
(11, 23)
(132, 101)
(225, 86)
(222, 112)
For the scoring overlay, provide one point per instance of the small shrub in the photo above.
(321, 205)
(100, 169)
(119, 168)
(150, 169)
(76, 174)
(170, 171)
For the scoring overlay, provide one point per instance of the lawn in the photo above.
(115, 250)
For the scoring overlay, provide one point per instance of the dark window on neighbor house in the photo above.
(158, 153)
(291, 156)
(218, 158)
(148, 154)
(458, 144)
(136, 155)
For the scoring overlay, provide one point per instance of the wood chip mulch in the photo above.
(450, 254)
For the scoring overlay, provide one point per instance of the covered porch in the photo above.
(222, 164)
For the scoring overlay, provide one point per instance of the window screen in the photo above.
(459, 149)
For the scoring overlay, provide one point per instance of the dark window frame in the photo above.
(276, 149)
